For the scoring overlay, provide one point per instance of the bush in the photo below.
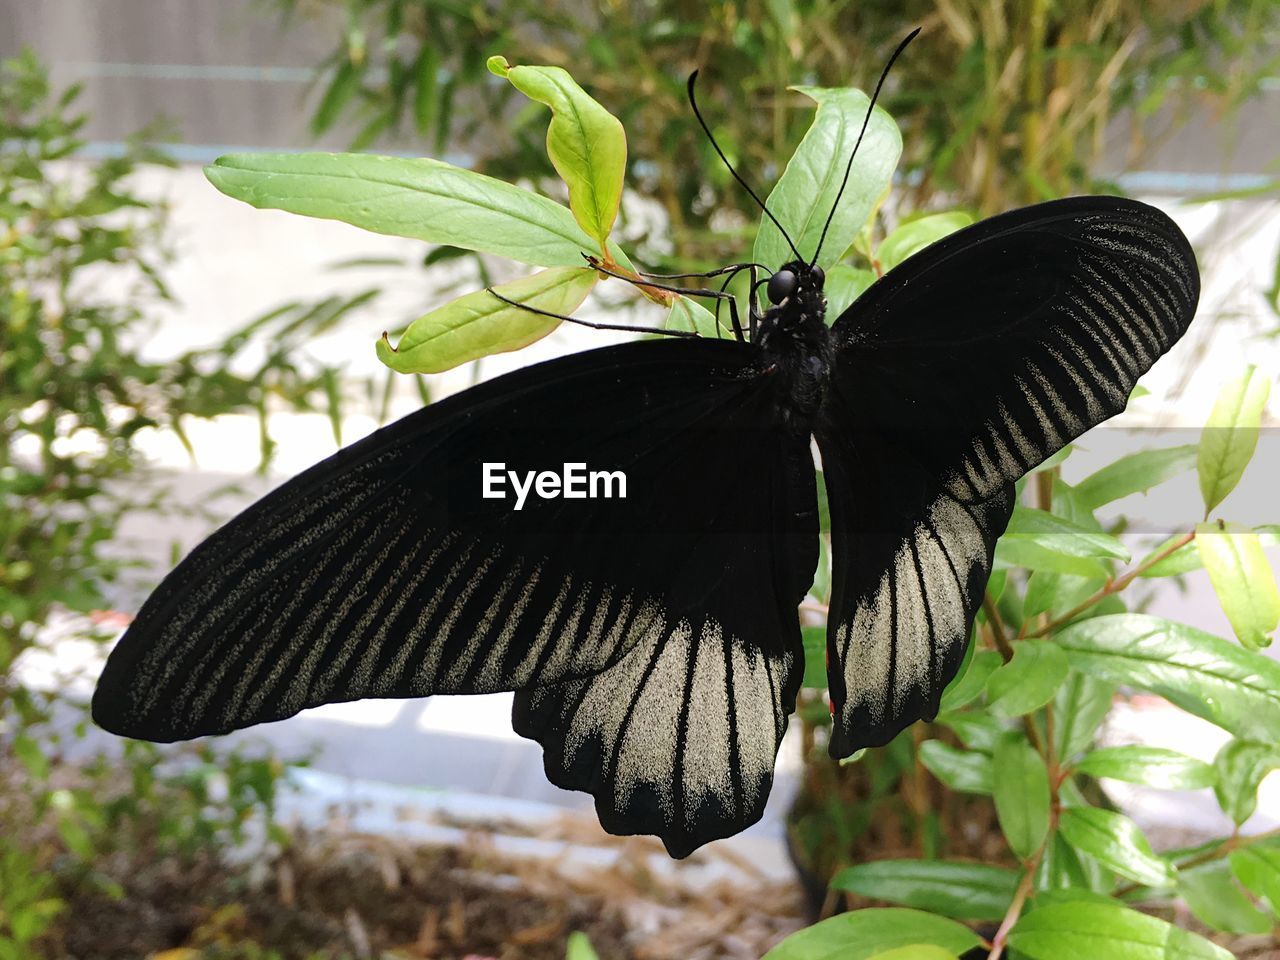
(1054, 869)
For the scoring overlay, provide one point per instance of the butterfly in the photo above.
(652, 639)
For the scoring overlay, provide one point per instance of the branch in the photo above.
(1113, 586)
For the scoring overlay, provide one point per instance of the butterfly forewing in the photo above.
(955, 374)
(654, 635)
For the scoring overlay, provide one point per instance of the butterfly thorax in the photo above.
(797, 348)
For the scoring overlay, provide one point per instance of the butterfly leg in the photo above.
(732, 268)
(626, 328)
(718, 295)
(753, 302)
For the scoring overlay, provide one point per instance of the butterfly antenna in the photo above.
(865, 120)
(745, 186)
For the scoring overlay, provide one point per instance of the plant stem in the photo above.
(1019, 901)
(1234, 842)
(1112, 586)
(997, 627)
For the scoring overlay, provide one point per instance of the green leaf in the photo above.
(1151, 766)
(844, 285)
(1021, 794)
(1241, 765)
(1216, 680)
(1212, 894)
(344, 85)
(1029, 680)
(966, 771)
(815, 657)
(1057, 593)
(1065, 535)
(910, 238)
(1135, 473)
(976, 730)
(586, 143)
(1069, 872)
(916, 951)
(579, 947)
(1096, 931)
(1114, 841)
(972, 679)
(687, 314)
(962, 891)
(804, 195)
(1069, 505)
(864, 934)
(478, 324)
(1187, 557)
(1242, 578)
(1258, 868)
(1079, 707)
(32, 757)
(1231, 435)
(422, 199)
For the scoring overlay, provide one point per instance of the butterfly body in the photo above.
(795, 343)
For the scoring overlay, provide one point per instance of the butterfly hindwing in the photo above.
(955, 374)
(384, 571)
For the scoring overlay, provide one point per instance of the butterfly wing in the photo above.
(384, 571)
(955, 374)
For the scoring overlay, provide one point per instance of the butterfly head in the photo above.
(796, 280)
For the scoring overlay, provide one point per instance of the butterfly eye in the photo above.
(817, 276)
(781, 285)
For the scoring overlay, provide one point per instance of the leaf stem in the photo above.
(998, 633)
(1112, 586)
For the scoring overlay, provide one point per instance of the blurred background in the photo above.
(205, 350)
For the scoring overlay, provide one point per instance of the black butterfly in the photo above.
(653, 641)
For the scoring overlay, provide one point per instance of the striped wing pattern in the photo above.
(958, 372)
(382, 572)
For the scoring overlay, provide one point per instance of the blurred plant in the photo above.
(1001, 102)
(993, 813)
(81, 250)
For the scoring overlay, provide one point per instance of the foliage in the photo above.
(81, 247)
(1003, 102)
(1066, 873)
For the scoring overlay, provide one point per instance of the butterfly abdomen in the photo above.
(799, 351)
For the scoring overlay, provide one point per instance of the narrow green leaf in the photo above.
(815, 657)
(962, 891)
(862, 934)
(966, 771)
(478, 324)
(844, 285)
(1021, 794)
(972, 679)
(426, 75)
(578, 947)
(908, 239)
(1096, 931)
(1064, 869)
(687, 314)
(1218, 681)
(1231, 435)
(1151, 766)
(1242, 579)
(1213, 895)
(1241, 765)
(1029, 680)
(342, 87)
(1187, 557)
(1114, 841)
(586, 143)
(806, 192)
(1135, 473)
(1015, 550)
(1079, 707)
(1258, 868)
(422, 199)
